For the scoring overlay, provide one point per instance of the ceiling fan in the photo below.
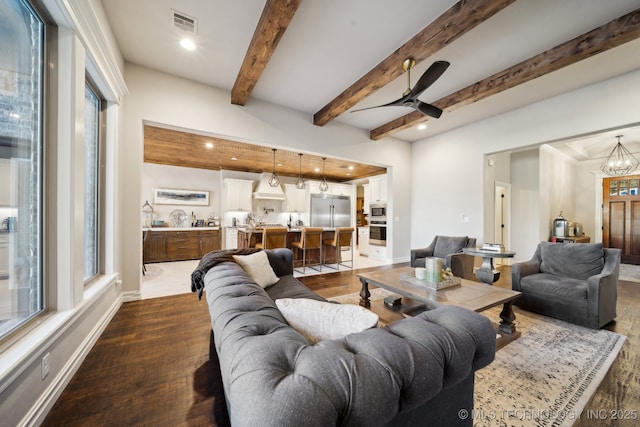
(410, 96)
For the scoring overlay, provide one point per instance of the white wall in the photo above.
(557, 189)
(444, 189)
(525, 203)
(187, 105)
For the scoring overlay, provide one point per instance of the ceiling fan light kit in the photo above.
(620, 161)
(410, 96)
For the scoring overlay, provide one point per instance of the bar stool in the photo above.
(273, 237)
(310, 238)
(342, 238)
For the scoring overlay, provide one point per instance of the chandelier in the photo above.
(620, 161)
(300, 181)
(274, 181)
(324, 185)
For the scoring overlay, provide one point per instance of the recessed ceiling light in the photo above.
(188, 44)
(280, 164)
(422, 126)
(209, 145)
(348, 174)
(350, 168)
(316, 170)
(234, 158)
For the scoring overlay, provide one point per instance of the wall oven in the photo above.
(378, 232)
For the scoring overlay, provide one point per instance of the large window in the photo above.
(92, 182)
(21, 101)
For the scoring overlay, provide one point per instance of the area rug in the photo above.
(629, 273)
(544, 378)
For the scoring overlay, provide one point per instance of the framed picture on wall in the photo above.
(167, 196)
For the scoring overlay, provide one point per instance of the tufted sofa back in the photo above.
(273, 377)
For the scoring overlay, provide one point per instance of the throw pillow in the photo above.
(257, 266)
(319, 320)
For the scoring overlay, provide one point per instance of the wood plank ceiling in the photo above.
(179, 148)
(453, 23)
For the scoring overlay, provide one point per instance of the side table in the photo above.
(487, 273)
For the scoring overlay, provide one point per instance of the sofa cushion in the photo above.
(575, 260)
(290, 287)
(257, 266)
(550, 285)
(446, 245)
(318, 320)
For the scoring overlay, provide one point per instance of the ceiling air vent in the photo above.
(184, 22)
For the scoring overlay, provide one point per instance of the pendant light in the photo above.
(300, 181)
(324, 185)
(274, 181)
(620, 161)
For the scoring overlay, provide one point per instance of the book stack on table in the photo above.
(492, 247)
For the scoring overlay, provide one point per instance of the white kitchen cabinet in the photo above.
(378, 253)
(295, 199)
(231, 240)
(363, 241)
(367, 198)
(314, 187)
(341, 189)
(378, 188)
(239, 193)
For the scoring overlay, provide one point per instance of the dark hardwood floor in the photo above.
(152, 365)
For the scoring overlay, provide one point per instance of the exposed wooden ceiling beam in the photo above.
(275, 19)
(610, 35)
(455, 22)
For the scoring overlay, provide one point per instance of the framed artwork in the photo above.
(167, 196)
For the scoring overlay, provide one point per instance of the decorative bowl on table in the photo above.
(157, 223)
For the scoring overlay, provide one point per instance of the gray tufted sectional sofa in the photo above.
(417, 371)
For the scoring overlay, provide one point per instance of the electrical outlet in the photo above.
(45, 365)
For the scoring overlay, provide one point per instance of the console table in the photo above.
(487, 273)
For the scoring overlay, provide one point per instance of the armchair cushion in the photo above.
(579, 261)
(446, 245)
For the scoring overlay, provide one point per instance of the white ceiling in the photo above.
(331, 43)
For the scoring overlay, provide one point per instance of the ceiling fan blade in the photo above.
(429, 110)
(432, 74)
(396, 103)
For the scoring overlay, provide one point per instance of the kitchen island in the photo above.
(248, 237)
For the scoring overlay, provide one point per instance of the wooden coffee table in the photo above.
(471, 295)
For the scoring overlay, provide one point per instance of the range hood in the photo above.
(265, 191)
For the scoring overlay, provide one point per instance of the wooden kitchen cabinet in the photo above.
(209, 241)
(171, 245)
(154, 246)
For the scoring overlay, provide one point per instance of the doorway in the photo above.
(621, 216)
(502, 218)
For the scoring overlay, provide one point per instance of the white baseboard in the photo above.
(131, 296)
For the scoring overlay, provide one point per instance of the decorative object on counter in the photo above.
(199, 223)
(449, 282)
(620, 161)
(433, 269)
(147, 214)
(559, 226)
(157, 223)
(324, 185)
(165, 196)
(274, 181)
(300, 181)
(179, 218)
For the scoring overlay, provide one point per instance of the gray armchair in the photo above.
(450, 249)
(575, 282)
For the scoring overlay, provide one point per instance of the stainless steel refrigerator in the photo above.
(330, 211)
